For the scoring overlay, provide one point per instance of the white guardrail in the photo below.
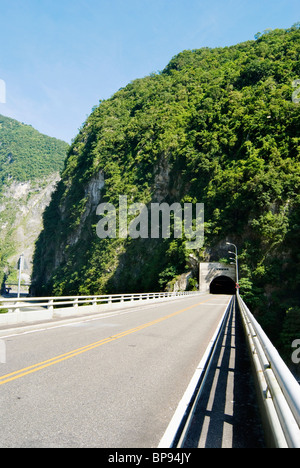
(279, 391)
(45, 308)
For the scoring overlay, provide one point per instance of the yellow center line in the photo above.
(75, 352)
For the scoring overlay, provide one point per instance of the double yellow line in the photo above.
(75, 352)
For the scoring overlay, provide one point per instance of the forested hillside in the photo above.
(26, 154)
(216, 126)
(30, 163)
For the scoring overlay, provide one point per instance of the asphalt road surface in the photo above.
(113, 380)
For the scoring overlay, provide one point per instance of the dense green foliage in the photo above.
(216, 126)
(25, 156)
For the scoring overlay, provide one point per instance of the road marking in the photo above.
(75, 352)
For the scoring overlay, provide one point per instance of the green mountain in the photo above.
(30, 163)
(217, 126)
(26, 154)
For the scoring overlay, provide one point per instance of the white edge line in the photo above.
(173, 426)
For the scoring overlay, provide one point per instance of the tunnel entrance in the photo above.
(222, 285)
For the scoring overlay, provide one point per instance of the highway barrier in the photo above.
(29, 309)
(278, 390)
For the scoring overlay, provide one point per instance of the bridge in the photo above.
(159, 370)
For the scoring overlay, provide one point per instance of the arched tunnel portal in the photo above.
(222, 285)
(217, 278)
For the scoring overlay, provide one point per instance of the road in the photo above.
(113, 380)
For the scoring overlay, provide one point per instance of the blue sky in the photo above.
(58, 58)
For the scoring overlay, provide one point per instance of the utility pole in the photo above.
(21, 263)
(236, 264)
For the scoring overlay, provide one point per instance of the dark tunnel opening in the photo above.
(222, 285)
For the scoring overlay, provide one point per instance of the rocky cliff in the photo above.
(30, 165)
(21, 213)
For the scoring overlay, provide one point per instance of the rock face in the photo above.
(180, 283)
(30, 165)
(21, 216)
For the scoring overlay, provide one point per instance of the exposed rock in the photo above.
(180, 283)
(21, 214)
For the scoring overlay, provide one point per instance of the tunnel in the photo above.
(222, 285)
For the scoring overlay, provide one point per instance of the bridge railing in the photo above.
(279, 391)
(21, 304)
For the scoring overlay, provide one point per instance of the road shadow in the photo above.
(227, 415)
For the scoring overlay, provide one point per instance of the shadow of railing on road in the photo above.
(226, 414)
